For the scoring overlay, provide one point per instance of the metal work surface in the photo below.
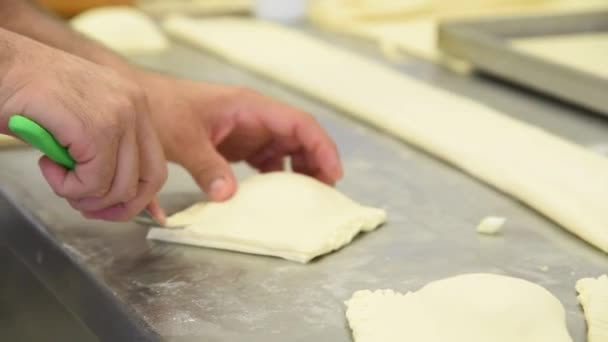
(486, 44)
(195, 294)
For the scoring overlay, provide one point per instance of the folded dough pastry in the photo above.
(281, 214)
(593, 296)
(466, 308)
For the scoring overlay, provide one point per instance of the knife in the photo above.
(43, 140)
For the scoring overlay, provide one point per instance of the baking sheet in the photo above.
(486, 44)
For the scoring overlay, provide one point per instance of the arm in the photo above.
(28, 19)
(120, 163)
(227, 124)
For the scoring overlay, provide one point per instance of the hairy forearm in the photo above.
(7, 57)
(25, 18)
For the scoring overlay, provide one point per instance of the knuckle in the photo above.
(122, 110)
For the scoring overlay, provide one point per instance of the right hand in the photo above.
(103, 120)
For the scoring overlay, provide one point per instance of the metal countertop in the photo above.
(194, 294)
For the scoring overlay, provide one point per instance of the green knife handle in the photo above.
(37, 136)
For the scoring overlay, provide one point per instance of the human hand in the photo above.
(100, 117)
(203, 127)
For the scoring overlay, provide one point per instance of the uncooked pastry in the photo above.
(586, 52)
(560, 179)
(593, 296)
(491, 225)
(465, 308)
(122, 29)
(280, 214)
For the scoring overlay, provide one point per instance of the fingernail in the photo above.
(216, 189)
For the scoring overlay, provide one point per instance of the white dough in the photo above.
(465, 308)
(160, 8)
(593, 296)
(121, 28)
(282, 214)
(491, 225)
(560, 179)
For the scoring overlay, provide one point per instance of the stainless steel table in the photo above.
(194, 294)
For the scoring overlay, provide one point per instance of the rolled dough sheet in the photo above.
(281, 214)
(564, 181)
(593, 296)
(123, 29)
(584, 52)
(465, 308)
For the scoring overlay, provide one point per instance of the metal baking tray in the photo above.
(485, 44)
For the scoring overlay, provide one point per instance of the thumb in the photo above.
(212, 173)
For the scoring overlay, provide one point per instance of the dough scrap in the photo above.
(121, 28)
(593, 296)
(586, 52)
(560, 179)
(491, 225)
(281, 214)
(464, 308)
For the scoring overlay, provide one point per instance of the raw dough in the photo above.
(593, 296)
(161, 8)
(562, 180)
(412, 26)
(586, 52)
(280, 214)
(465, 308)
(122, 29)
(491, 225)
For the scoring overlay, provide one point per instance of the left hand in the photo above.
(204, 127)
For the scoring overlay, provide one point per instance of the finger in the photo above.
(126, 179)
(53, 173)
(122, 212)
(114, 213)
(298, 162)
(86, 180)
(152, 176)
(157, 212)
(271, 151)
(212, 173)
(294, 127)
(273, 165)
(319, 152)
(96, 166)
